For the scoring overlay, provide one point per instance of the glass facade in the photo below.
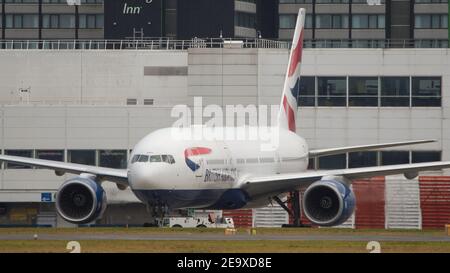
(358, 91)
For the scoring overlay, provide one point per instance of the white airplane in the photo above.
(222, 174)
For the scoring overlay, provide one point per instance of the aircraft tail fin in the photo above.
(288, 106)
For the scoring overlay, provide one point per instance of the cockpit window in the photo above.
(143, 158)
(168, 159)
(155, 158)
(134, 159)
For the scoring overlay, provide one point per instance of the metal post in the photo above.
(296, 208)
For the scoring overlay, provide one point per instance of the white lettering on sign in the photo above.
(130, 9)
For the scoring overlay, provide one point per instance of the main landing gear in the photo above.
(295, 210)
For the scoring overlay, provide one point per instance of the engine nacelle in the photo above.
(80, 200)
(328, 202)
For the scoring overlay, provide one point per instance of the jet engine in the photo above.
(80, 200)
(328, 202)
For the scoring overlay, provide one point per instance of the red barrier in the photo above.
(435, 201)
(370, 203)
(241, 218)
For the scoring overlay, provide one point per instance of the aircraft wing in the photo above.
(276, 184)
(350, 149)
(117, 176)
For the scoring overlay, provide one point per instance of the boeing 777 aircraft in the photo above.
(225, 174)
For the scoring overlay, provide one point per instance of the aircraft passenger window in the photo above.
(155, 158)
(143, 158)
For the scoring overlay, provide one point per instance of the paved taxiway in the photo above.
(238, 237)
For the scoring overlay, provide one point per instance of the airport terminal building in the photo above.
(90, 105)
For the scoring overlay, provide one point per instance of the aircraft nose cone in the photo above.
(142, 176)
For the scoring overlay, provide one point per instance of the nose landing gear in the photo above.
(158, 212)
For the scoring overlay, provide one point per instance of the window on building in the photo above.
(332, 91)
(22, 21)
(22, 1)
(116, 159)
(430, 1)
(394, 157)
(66, 21)
(363, 91)
(287, 21)
(431, 21)
(425, 156)
(86, 157)
(55, 155)
(368, 21)
(30, 21)
(395, 91)
(243, 19)
(331, 21)
(91, 20)
(426, 91)
(307, 91)
(22, 153)
(362, 159)
(332, 162)
(58, 21)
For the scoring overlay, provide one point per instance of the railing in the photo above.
(142, 44)
(169, 44)
(387, 43)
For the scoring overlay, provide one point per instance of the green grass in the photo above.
(219, 246)
(265, 231)
(226, 246)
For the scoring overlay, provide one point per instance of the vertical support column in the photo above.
(313, 15)
(40, 22)
(3, 22)
(296, 207)
(350, 2)
(388, 21)
(77, 22)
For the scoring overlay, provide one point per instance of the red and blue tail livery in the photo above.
(288, 107)
(191, 153)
